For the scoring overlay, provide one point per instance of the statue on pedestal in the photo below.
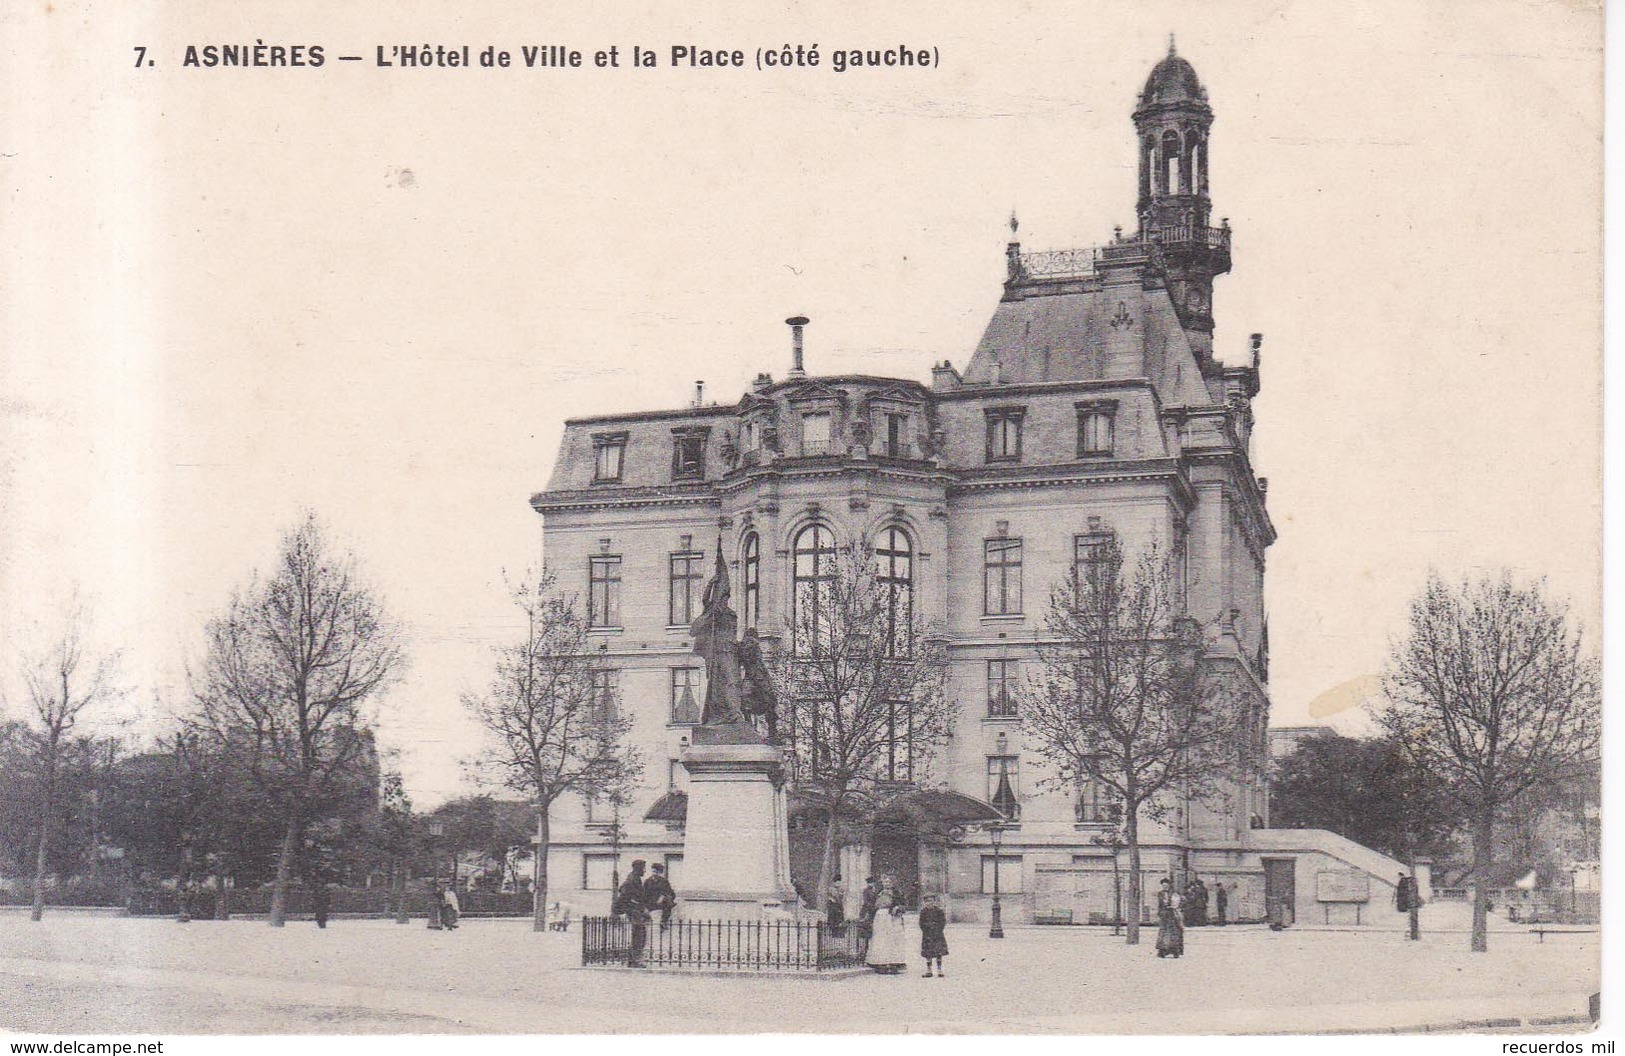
(737, 682)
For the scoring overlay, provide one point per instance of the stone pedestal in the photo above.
(736, 844)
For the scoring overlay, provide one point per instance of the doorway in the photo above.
(1280, 890)
(895, 852)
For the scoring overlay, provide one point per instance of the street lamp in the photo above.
(995, 829)
(437, 829)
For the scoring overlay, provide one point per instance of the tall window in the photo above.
(815, 433)
(1001, 594)
(813, 573)
(894, 571)
(1095, 429)
(1090, 554)
(1004, 434)
(686, 702)
(752, 577)
(1004, 784)
(899, 740)
(1096, 804)
(687, 574)
(601, 708)
(688, 453)
(1001, 689)
(608, 456)
(604, 591)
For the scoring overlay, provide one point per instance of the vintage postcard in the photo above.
(1025, 518)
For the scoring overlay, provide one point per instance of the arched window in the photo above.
(752, 577)
(894, 574)
(1148, 161)
(814, 569)
(1169, 177)
(1199, 166)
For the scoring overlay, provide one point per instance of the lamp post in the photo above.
(995, 829)
(437, 829)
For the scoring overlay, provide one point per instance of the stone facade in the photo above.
(1092, 404)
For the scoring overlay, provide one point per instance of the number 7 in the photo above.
(140, 56)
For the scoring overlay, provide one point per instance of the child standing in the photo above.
(933, 940)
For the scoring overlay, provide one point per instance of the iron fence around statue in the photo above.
(721, 945)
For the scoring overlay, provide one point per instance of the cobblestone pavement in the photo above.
(84, 974)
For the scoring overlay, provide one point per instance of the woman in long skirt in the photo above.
(888, 952)
(1170, 928)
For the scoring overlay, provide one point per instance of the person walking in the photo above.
(933, 937)
(887, 949)
(630, 903)
(450, 908)
(1170, 928)
(866, 913)
(1221, 903)
(835, 903)
(658, 895)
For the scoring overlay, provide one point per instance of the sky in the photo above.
(231, 295)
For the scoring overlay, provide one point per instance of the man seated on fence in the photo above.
(659, 895)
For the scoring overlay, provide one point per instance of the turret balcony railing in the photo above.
(1085, 261)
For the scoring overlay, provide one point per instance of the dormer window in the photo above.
(1096, 429)
(1004, 433)
(897, 436)
(815, 432)
(608, 457)
(688, 453)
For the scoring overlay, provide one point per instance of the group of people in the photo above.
(1176, 912)
(445, 901)
(638, 899)
(882, 915)
(1195, 904)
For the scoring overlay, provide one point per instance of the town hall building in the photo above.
(1093, 406)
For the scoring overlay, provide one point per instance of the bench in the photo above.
(1052, 916)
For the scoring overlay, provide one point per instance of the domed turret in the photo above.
(1173, 80)
(1171, 121)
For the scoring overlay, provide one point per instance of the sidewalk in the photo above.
(123, 975)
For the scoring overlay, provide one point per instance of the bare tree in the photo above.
(552, 717)
(61, 683)
(863, 688)
(1493, 691)
(289, 672)
(1122, 698)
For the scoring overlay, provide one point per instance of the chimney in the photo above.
(699, 394)
(796, 322)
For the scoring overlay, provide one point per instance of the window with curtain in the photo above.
(687, 577)
(1001, 689)
(1004, 784)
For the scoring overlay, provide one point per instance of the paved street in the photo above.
(88, 974)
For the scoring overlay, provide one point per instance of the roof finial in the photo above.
(1014, 223)
(1170, 43)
